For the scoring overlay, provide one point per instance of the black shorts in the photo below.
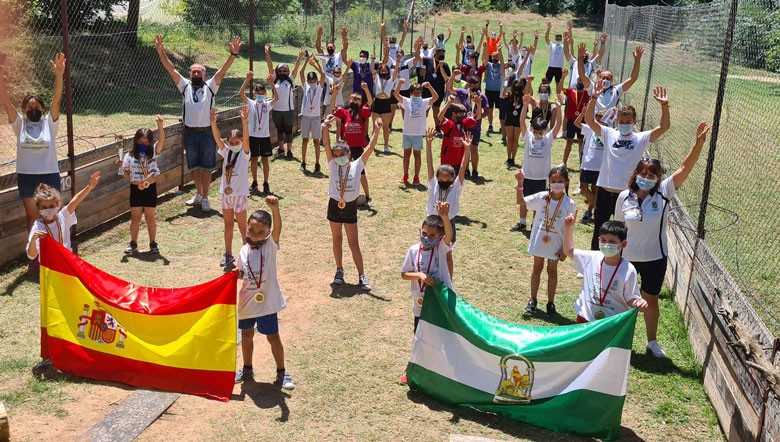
(652, 275)
(572, 130)
(355, 153)
(512, 119)
(260, 147)
(347, 215)
(143, 198)
(407, 93)
(554, 74)
(493, 98)
(504, 106)
(441, 97)
(381, 106)
(393, 100)
(532, 187)
(589, 176)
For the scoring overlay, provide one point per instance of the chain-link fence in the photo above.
(688, 50)
(118, 82)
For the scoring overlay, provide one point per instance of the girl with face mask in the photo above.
(36, 135)
(140, 168)
(644, 207)
(234, 185)
(283, 114)
(384, 85)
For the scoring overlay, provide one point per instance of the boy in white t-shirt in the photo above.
(310, 111)
(260, 298)
(426, 262)
(598, 299)
(623, 148)
(234, 185)
(415, 122)
(259, 128)
(590, 161)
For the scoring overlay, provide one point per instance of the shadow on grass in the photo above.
(145, 257)
(21, 278)
(408, 188)
(648, 363)
(351, 290)
(265, 396)
(468, 222)
(541, 315)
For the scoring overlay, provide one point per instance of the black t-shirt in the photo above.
(438, 82)
(546, 114)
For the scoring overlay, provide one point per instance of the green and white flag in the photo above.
(568, 379)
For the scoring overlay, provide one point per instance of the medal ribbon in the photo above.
(343, 182)
(419, 265)
(446, 194)
(548, 223)
(59, 229)
(603, 292)
(259, 280)
(260, 110)
(144, 166)
(229, 167)
(310, 92)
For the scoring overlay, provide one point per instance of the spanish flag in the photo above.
(97, 326)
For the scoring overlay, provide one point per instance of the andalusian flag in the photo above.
(568, 379)
(97, 326)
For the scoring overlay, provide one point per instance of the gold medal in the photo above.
(420, 301)
(599, 315)
(259, 297)
(228, 190)
(576, 113)
(342, 204)
(343, 186)
(546, 239)
(145, 185)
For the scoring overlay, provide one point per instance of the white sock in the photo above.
(522, 220)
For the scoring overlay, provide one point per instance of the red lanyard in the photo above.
(260, 109)
(257, 281)
(419, 265)
(59, 229)
(603, 293)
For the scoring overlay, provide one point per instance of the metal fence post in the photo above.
(724, 71)
(68, 97)
(649, 69)
(333, 23)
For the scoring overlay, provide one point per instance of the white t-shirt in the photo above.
(451, 195)
(574, 73)
(286, 96)
(404, 72)
(329, 92)
(536, 245)
(312, 98)
(621, 155)
(537, 155)
(36, 145)
(239, 180)
(623, 289)
(198, 103)
(135, 165)
(556, 55)
(415, 117)
(331, 63)
(258, 118)
(269, 284)
(62, 223)
(528, 65)
(609, 98)
(592, 150)
(383, 86)
(352, 190)
(646, 222)
(393, 51)
(431, 262)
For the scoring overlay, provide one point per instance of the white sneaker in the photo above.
(387, 148)
(195, 200)
(656, 349)
(204, 205)
(577, 191)
(580, 275)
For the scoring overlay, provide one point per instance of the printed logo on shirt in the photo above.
(537, 149)
(624, 144)
(654, 206)
(599, 144)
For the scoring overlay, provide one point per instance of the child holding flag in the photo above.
(260, 297)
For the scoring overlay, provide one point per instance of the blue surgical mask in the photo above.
(417, 100)
(544, 96)
(428, 243)
(580, 87)
(644, 183)
(607, 84)
(609, 249)
(260, 97)
(342, 160)
(625, 129)
(142, 148)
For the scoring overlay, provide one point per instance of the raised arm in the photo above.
(273, 204)
(268, 61)
(215, 130)
(318, 43)
(166, 62)
(403, 36)
(244, 114)
(317, 67)
(272, 85)
(429, 137)
(520, 198)
(443, 110)
(681, 174)
(566, 41)
(336, 91)
(581, 66)
(297, 63)
(450, 88)
(58, 66)
(326, 136)
(160, 133)
(249, 76)
(602, 48)
(468, 138)
(547, 34)
(635, 71)
(235, 46)
(659, 93)
(93, 182)
(443, 207)
(590, 117)
(397, 90)
(462, 35)
(371, 145)
(523, 113)
(369, 98)
(344, 42)
(434, 94)
(568, 234)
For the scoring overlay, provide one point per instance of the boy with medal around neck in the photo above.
(599, 298)
(260, 298)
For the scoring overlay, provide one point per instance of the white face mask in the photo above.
(235, 149)
(49, 213)
(457, 78)
(557, 187)
(342, 160)
(608, 249)
(544, 96)
(362, 60)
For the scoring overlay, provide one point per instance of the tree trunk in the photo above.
(133, 11)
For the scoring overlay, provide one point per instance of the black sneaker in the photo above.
(289, 155)
(303, 166)
(519, 227)
(153, 247)
(508, 162)
(266, 189)
(531, 306)
(474, 175)
(339, 278)
(551, 309)
(317, 168)
(131, 248)
(253, 186)
(468, 174)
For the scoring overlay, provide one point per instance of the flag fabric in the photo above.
(568, 379)
(97, 326)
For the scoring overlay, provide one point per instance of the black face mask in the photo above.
(254, 245)
(444, 185)
(425, 47)
(331, 50)
(458, 119)
(384, 75)
(441, 57)
(354, 107)
(197, 81)
(34, 115)
(282, 77)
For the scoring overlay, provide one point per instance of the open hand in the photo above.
(94, 178)
(235, 44)
(659, 93)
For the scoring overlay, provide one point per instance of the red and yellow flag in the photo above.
(97, 326)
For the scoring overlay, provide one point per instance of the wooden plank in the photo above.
(5, 426)
(131, 417)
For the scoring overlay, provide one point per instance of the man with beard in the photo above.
(197, 102)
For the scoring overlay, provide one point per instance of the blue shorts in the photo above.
(266, 325)
(201, 149)
(28, 182)
(412, 142)
(476, 133)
